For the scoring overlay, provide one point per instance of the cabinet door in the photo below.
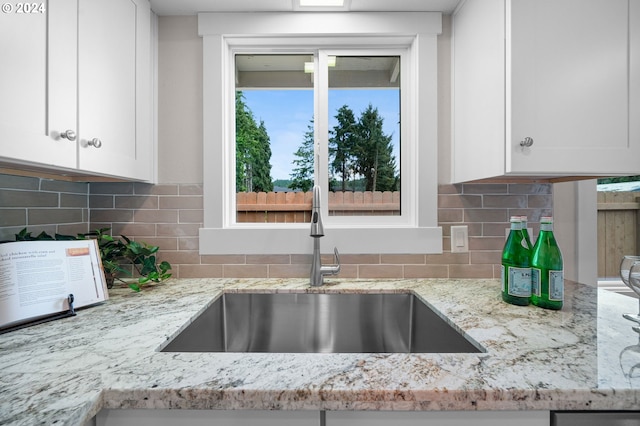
(568, 87)
(478, 95)
(37, 83)
(439, 418)
(114, 87)
(207, 418)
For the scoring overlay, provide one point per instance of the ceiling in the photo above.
(281, 71)
(191, 7)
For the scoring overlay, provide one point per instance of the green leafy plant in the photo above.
(116, 254)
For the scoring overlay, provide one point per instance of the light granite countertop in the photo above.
(579, 358)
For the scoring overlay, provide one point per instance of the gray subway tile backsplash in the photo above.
(170, 216)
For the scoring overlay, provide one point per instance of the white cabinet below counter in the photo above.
(545, 88)
(439, 418)
(315, 418)
(77, 89)
(205, 417)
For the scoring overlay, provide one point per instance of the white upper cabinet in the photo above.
(33, 112)
(545, 88)
(77, 90)
(114, 87)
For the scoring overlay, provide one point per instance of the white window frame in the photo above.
(225, 34)
(408, 216)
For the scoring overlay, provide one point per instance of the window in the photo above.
(274, 135)
(364, 141)
(276, 123)
(362, 99)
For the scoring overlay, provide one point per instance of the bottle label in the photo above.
(535, 281)
(556, 285)
(519, 282)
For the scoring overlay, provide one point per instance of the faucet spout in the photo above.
(317, 231)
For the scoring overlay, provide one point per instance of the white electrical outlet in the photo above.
(459, 239)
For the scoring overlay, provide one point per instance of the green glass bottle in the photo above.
(525, 230)
(516, 269)
(547, 269)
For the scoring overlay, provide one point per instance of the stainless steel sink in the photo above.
(314, 322)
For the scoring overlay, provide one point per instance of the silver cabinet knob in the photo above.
(95, 142)
(68, 134)
(527, 142)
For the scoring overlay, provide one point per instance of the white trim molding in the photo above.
(418, 232)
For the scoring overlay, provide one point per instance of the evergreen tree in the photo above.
(302, 174)
(374, 158)
(357, 150)
(341, 146)
(253, 151)
(262, 162)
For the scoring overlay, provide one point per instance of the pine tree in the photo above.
(243, 143)
(253, 151)
(342, 144)
(262, 161)
(374, 153)
(302, 174)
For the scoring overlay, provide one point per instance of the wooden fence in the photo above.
(618, 230)
(295, 207)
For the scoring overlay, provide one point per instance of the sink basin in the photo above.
(314, 322)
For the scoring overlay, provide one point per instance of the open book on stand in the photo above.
(44, 280)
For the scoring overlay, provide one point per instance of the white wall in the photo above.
(444, 102)
(180, 124)
(179, 100)
(575, 211)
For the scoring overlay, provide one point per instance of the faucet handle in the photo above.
(335, 268)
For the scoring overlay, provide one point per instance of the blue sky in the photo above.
(288, 113)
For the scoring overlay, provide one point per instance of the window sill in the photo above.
(290, 240)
